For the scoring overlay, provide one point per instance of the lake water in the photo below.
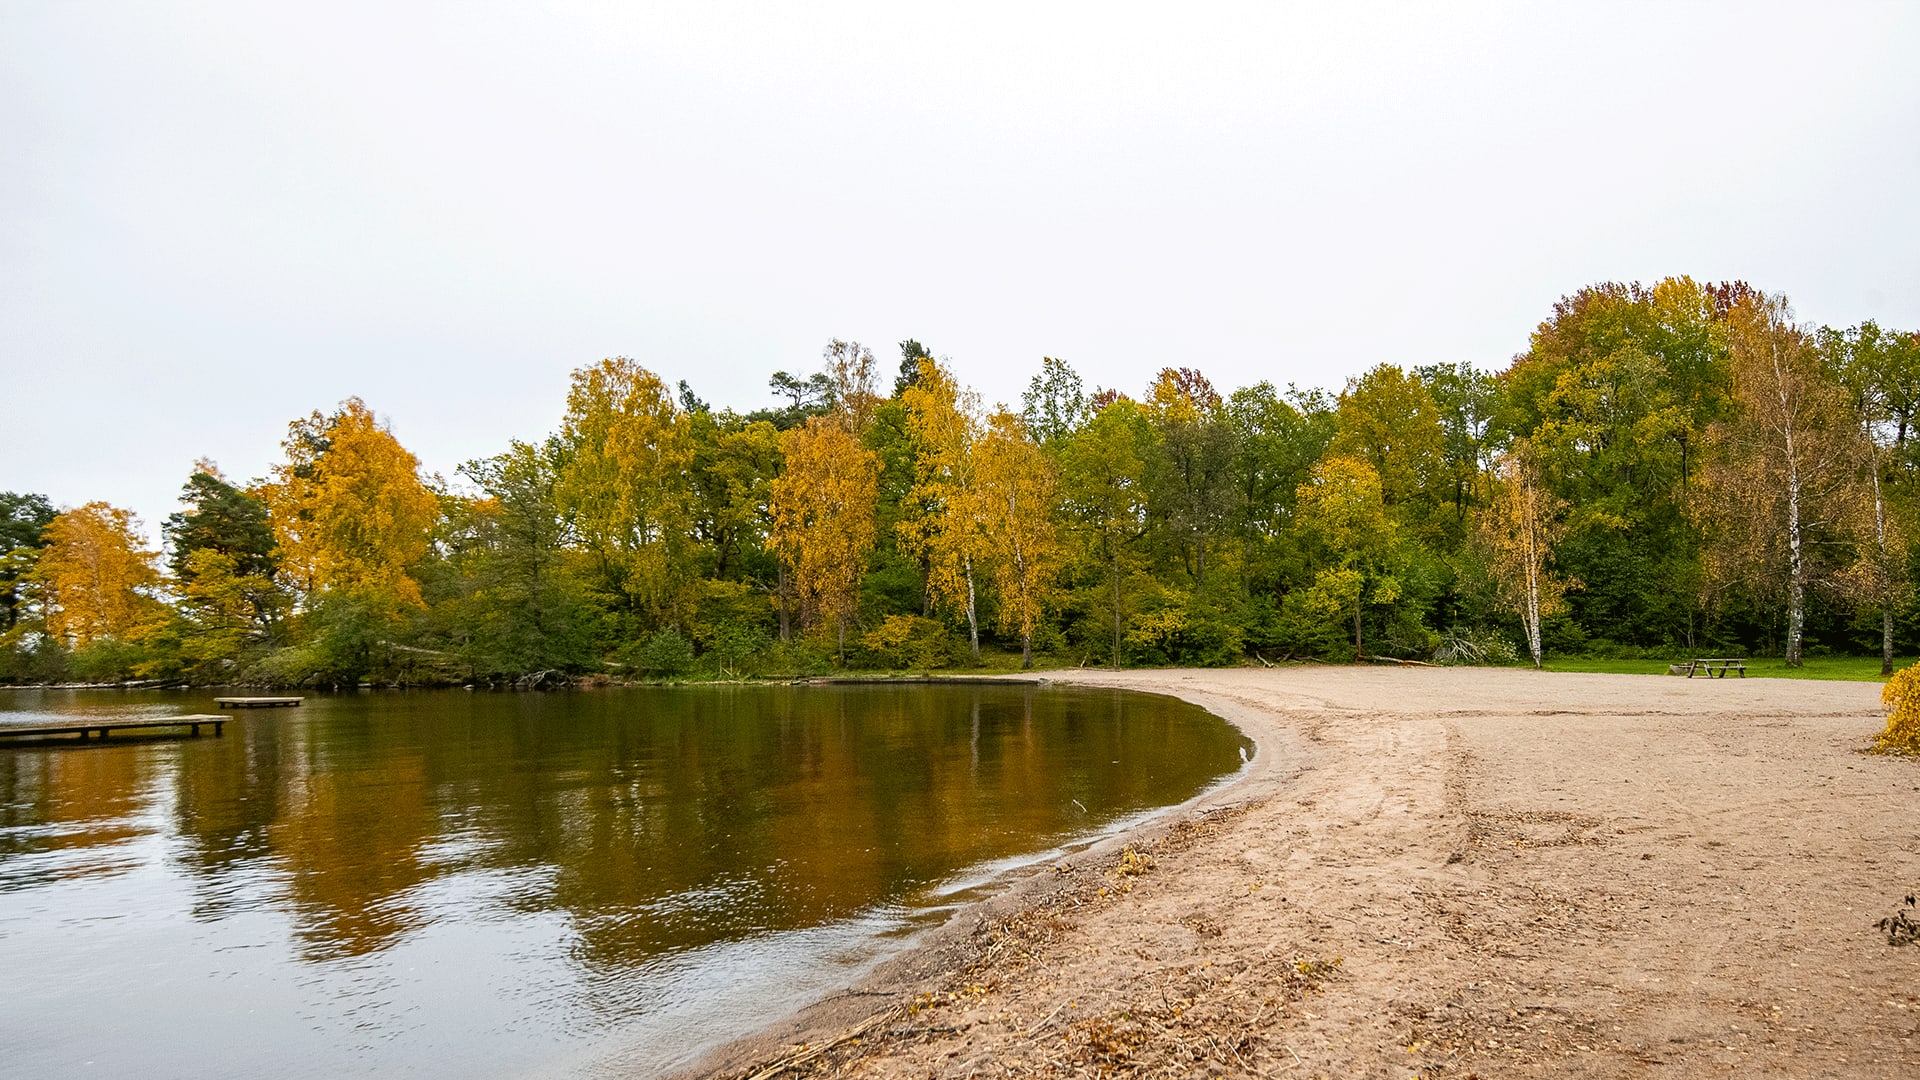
(461, 884)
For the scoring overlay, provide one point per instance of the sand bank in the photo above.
(1445, 872)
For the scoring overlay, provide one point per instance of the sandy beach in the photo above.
(1443, 872)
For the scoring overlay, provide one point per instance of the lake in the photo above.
(471, 884)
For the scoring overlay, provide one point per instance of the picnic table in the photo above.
(1716, 667)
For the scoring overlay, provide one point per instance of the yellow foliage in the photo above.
(348, 507)
(945, 525)
(1017, 484)
(93, 576)
(822, 509)
(1901, 695)
(626, 480)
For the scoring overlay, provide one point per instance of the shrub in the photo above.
(1460, 647)
(909, 642)
(1901, 695)
(664, 653)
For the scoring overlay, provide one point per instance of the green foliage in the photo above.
(664, 654)
(1190, 526)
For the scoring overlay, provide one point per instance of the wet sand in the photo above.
(1443, 872)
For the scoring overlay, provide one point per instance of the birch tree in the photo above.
(625, 452)
(1881, 372)
(822, 519)
(946, 526)
(1784, 486)
(1017, 488)
(1517, 530)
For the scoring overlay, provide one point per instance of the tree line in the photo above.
(1673, 468)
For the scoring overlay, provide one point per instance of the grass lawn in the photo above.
(1849, 668)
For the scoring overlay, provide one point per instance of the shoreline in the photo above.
(941, 948)
(1429, 871)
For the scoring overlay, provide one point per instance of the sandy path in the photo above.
(1449, 872)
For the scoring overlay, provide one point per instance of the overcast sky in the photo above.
(215, 218)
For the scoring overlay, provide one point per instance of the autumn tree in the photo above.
(849, 365)
(1517, 529)
(1017, 483)
(349, 510)
(822, 526)
(1389, 419)
(945, 526)
(624, 452)
(96, 577)
(1783, 488)
(1880, 370)
(1362, 555)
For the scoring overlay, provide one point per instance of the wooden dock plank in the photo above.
(88, 729)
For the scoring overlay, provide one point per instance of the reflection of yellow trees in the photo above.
(95, 794)
(352, 844)
(651, 822)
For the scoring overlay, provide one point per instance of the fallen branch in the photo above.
(804, 1056)
(1404, 663)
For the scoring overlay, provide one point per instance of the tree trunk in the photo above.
(1116, 610)
(1883, 564)
(786, 624)
(1796, 558)
(1359, 653)
(973, 621)
(1533, 579)
(1026, 651)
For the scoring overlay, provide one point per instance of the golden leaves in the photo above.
(93, 575)
(349, 509)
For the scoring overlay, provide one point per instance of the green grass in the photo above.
(1842, 668)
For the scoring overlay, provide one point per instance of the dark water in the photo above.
(470, 885)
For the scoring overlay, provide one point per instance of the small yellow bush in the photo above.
(1901, 696)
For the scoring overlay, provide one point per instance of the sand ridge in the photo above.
(1444, 872)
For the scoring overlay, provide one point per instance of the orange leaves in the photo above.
(349, 509)
(822, 507)
(93, 575)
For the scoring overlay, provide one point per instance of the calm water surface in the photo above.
(468, 885)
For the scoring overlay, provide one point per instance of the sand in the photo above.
(1443, 872)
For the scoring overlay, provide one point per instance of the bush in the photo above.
(909, 642)
(1460, 647)
(1901, 696)
(731, 647)
(663, 654)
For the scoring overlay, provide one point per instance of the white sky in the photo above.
(215, 218)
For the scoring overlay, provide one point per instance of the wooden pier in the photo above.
(87, 730)
(257, 702)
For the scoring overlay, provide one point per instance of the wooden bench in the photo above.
(1716, 667)
(89, 729)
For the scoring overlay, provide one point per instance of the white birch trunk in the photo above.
(1530, 525)
(973, 622)
(1796, 557)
